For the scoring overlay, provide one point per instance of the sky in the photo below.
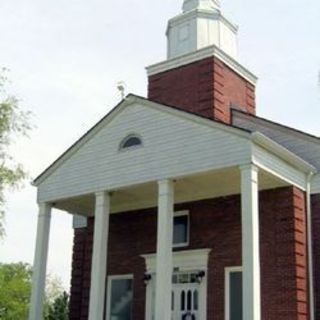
(66, 57)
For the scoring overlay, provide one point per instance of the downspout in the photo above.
(310, 247)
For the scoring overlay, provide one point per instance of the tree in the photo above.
(56, 305)
(59, 308)
(15, 292)
(13, 122)
(15, 284)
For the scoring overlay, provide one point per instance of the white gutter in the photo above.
(310, 246)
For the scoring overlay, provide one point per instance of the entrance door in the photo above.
(185, 302)
(189, 285)
(185, 297)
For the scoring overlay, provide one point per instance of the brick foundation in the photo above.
(207, 87)
(214, 224)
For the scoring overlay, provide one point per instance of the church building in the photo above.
(186, 203)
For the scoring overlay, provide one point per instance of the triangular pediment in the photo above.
(174, 143)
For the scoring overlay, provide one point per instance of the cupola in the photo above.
(200, 25)
(202, 73)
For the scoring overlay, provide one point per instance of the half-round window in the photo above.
(130, 141)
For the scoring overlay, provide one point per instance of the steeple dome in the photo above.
(201, 24)
(200, 4)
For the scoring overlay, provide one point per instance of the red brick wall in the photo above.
(316, 250)
(214, 224)
(81, 272)
(207, 87)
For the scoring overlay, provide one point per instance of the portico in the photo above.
(242, 163)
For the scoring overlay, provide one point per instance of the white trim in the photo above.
(309, 231)
(181, 214)
(187, 260)
(282, 152)
(227, 272)
(210, 51)
(109, 285)
(182, 261)
(79, 221)
(298, 180)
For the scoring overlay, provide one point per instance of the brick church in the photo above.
(186, 204)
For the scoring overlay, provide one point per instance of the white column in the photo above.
(250, 243)
(164, 250)
(40, 262)
(99, 256)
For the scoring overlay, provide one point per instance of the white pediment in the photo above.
(175, 144)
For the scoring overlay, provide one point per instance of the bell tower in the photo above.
(201, 24)
(202, 73)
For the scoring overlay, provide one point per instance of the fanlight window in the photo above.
(130, 141)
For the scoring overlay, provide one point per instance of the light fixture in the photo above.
(200, 275)
(146, 278)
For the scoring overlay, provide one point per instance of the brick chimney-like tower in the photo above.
(201, 73)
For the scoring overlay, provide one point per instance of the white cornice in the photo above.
(211, 51)
(282, 152)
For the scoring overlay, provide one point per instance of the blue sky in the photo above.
(66, 57)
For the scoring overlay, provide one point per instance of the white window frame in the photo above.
(180, 214)
(109, 284)
(227, 272)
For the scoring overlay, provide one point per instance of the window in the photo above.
(233, 291)
(130, 141)
(119, 298)
(181, 229)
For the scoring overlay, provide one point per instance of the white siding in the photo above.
(172, 147)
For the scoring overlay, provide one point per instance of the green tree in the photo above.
(59, 308)
(13, 122)
(15, 289)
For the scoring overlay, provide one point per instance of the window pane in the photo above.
(180, 230)
(121, 299)
(131, 142)
(235, 296)
(189, 298)
(183, 299)
(195, 300)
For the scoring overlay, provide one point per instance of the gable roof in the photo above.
(126, 102)
(303, 144)
(280, 126)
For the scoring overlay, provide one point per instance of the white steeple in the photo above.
(200, 4)
(201, 24)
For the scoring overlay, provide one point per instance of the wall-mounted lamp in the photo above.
(146, 278)
(200, 275)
